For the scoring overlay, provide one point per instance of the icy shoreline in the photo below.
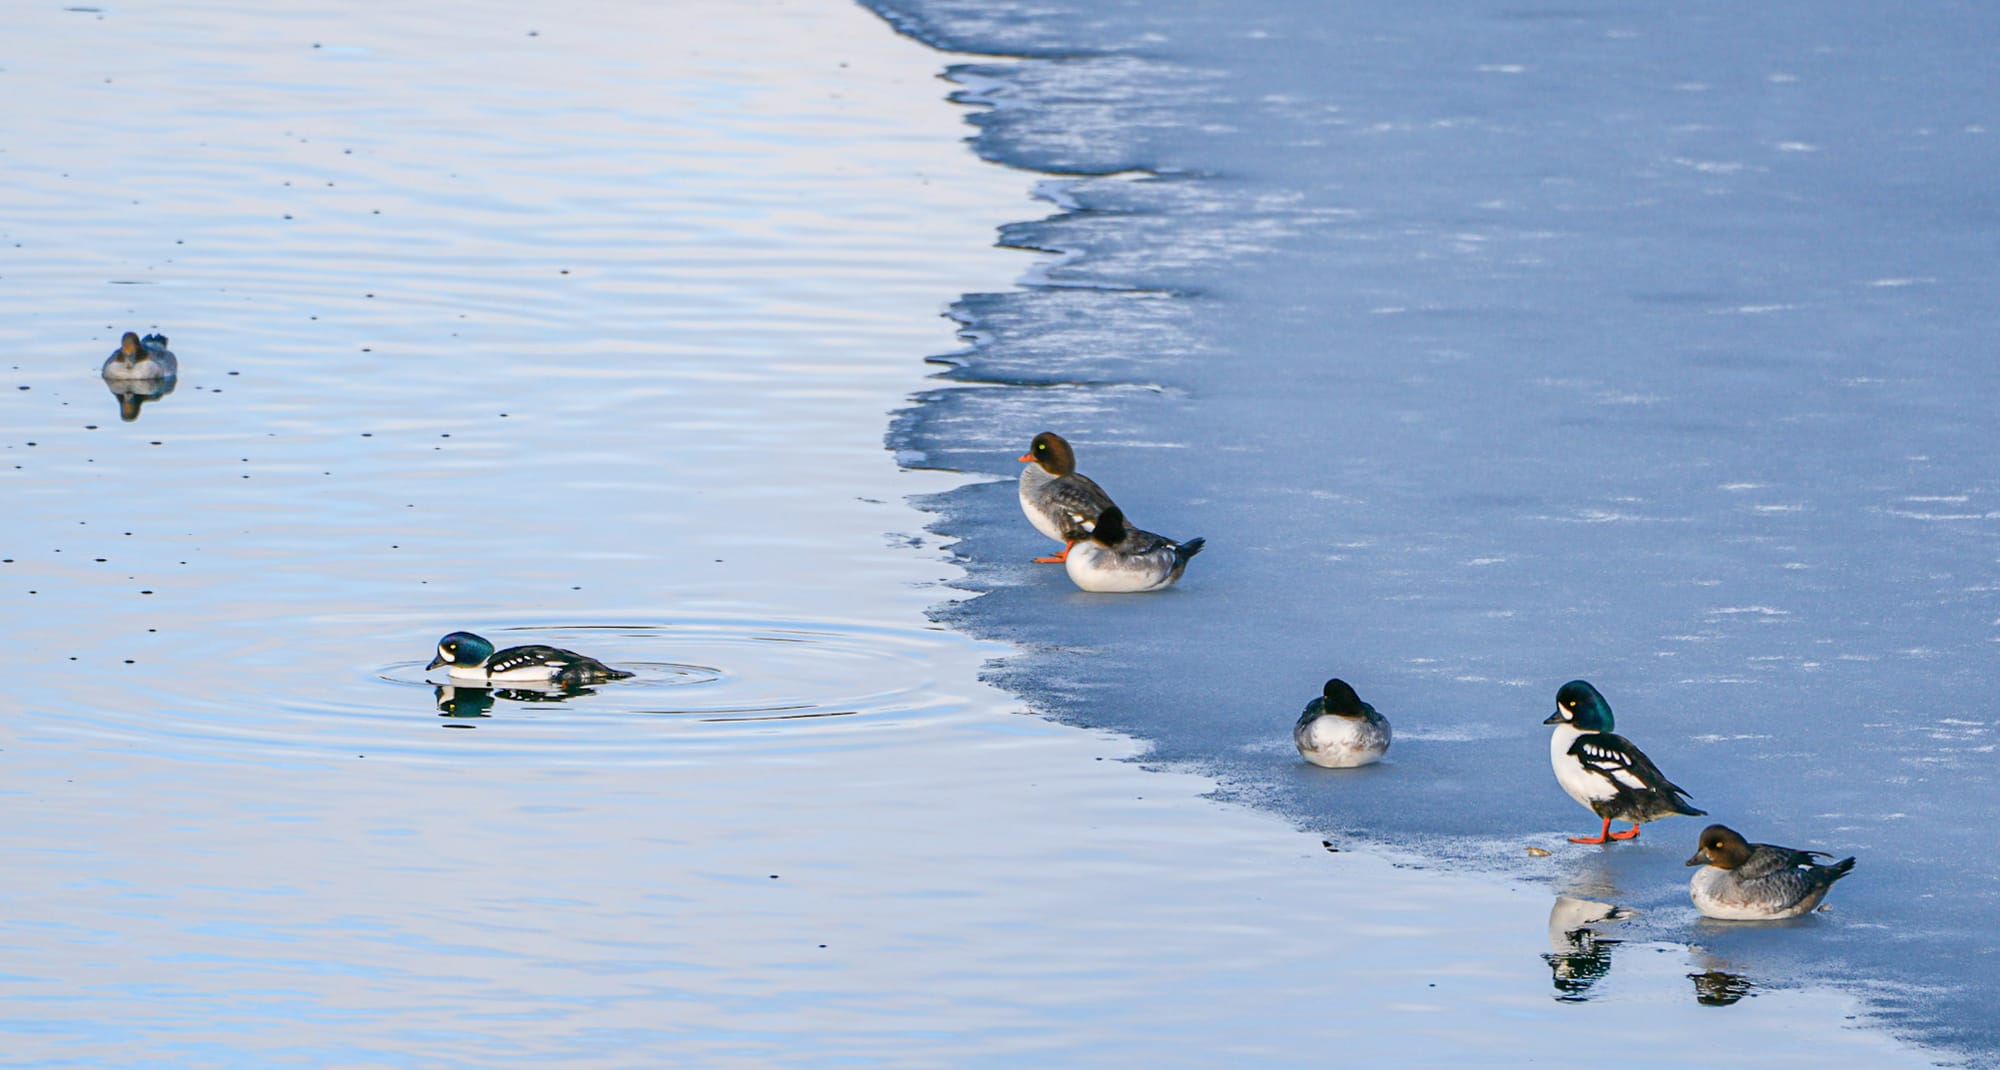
(1505, 371)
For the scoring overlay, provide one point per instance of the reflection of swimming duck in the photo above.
(461, 700)
(134, 393)
(1117, 558)
(1744, 881)
(458, 701)
(1061, 502)
(1339, 731)
(1579, 956)
(473, 658)
(137, 358)
(1603, 770)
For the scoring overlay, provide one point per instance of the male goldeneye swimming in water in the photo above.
(472, 658)
(137, 358)
(1743, 881)
(1603, 770)
(1061, 502)
(1339, 731)
(1117, 558)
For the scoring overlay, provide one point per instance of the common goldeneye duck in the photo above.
(1061, 502)
(137, 358)
(1603, 770)
(472, 658)
(1339, 731)
(1118, 558)
(1743, 881)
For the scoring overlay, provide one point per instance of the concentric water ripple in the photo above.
(714, 689)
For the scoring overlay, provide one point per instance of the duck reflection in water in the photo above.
(1579, 955)
(1719, 988)
(459, 701)
(133, 393)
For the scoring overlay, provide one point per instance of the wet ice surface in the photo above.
(1490, 348)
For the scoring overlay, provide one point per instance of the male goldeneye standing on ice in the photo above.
(472, 658)
(1603, 770)
(1117, 558)
(1743, 881)
(1061, 502)
(137, 358)
(1339, 731)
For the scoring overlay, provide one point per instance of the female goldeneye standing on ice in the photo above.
(137, 358)
(1061, 502)
(1603, 770)
(1117, 558)
(1743, 881)
(1339, 731)
(472, 658)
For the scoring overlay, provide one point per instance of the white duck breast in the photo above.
(1334, 742)
(1121, 559)
(1579, 782)
(1339, 731)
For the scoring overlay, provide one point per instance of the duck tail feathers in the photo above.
(1189, 548)
(1839, 869)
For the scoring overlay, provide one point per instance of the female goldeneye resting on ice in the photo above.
(1059, 501)
(1339, 731)
(473, 659)
(1603, 770)
(1743, 881)
(1117, 558)
(137, 358)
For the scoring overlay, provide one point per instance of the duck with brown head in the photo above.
(141, 358)
(1744, 881)
(1061, 502)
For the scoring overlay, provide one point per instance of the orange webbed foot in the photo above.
(1602, 836)
(1056, 559)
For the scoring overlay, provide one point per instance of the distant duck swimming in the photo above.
(137, 358)
(473, 659)
(1603, 770)
(1117, 558)
(1061, 502)
(1743, 881)
(1339, 731)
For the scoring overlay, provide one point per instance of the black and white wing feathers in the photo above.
(1637, 785)
(516, 658)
